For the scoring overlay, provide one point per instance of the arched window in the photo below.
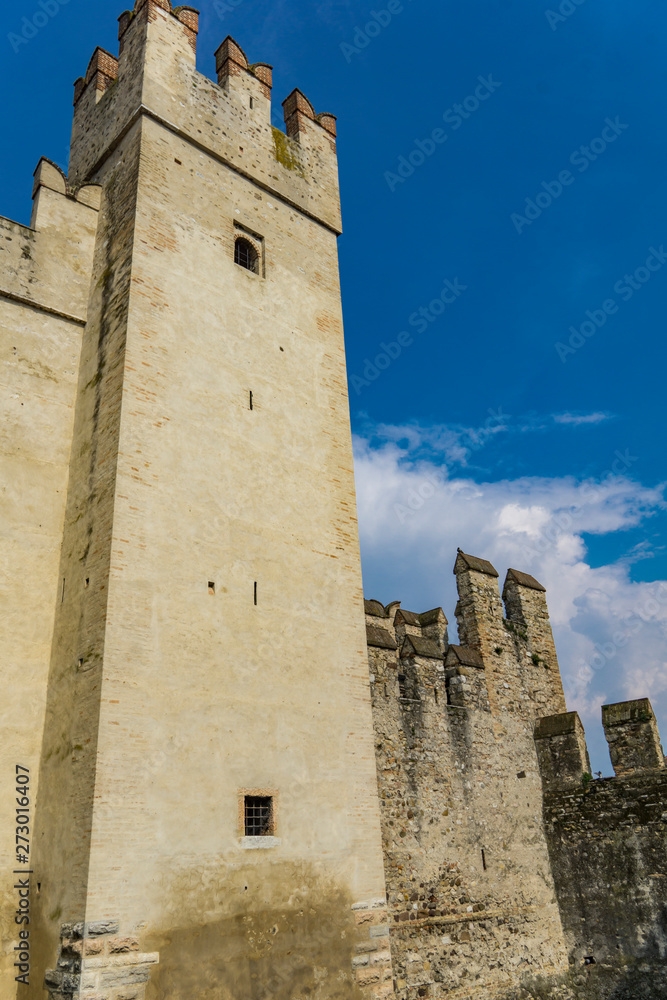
(246, 255)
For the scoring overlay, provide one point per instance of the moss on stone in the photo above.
(285, 153)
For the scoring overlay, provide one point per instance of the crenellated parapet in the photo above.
(506, 660)
(188, 17)
(632, 734)
(301, 122)
(406, 651)
(465, 679)
(561, 750)
(154, 78)
(466, 861)
(233, 67)
(515, 642)
(101, 73)
(607, 840)
(48, 265)
(526, 605)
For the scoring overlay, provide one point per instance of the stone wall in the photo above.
(471, 898)
(45, 273)
(608, 847)
(210, 643)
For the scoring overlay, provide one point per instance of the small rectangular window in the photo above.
(211, 587)
(255, 594)
(258, 816)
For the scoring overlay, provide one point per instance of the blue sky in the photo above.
(521, 419)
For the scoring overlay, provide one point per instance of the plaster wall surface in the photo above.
(44, 278)
(169, 699)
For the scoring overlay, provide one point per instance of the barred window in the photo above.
(258, 816)
(245, 255)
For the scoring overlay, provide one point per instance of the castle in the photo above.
(220, 786)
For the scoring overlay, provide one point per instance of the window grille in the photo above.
(258, 816)
(245, 255)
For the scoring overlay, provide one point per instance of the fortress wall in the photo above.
(471, 898)
(44, 278)
(218, 649)
(608, 848)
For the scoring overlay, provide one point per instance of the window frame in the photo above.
(256, 241)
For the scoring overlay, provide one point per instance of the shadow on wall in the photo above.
(263, 931)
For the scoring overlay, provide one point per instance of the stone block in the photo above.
(633, 737)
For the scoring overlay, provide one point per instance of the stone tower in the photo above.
(206, 820)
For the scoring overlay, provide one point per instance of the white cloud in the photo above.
(458, 443)
(611, 633)
(576, 419)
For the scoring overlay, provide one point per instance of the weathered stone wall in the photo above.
(608, 848)
(44, 280)
(471, 898)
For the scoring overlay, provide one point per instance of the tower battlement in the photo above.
(188, 17)
(154, 79)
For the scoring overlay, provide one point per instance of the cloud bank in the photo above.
(417, 505)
